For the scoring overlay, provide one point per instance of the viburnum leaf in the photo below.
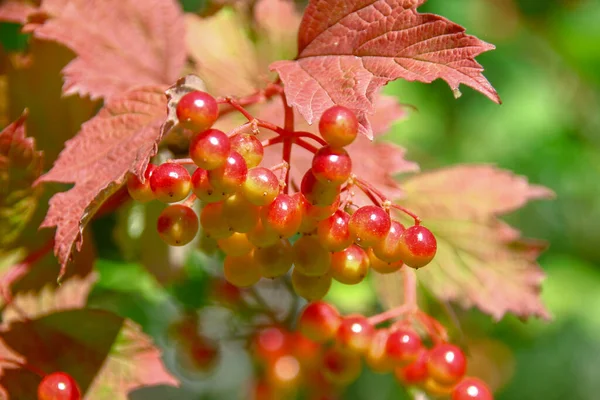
(347, 49)
(119, 140)
(374, 161)
(107, 355)
(20, 166)
(120, 44)
(16, 11)
(480, 260)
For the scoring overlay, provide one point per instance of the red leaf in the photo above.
(16, 11)
(107, 355)
(120, 44)
(348, 49)
(20, 166)
(121, 138)
(480, 261)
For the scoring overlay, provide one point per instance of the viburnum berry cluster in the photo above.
(260, 225)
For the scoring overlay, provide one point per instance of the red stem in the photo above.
(312, 136)
(306, 145)
(409, 306)
(271, 90)
(272, 141)
(408, 212)
(26, 366)
(287, 157)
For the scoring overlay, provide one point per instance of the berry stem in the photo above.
(312, 136)
(306, 145)
(182, 161)
(435, 330)
(289, 114)
(407, 212)
(264, 306)
(410, 288)
(23, 365)
(190, 200)
(272, 89)
(365, 187)
(389, 314)
(287, 157)
(272, 141)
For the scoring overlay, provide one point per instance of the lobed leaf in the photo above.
(481, 261)
(20, 166)
(349, 49)
(120, 44)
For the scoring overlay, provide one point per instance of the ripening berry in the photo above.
(197, 111)
(203, 189)
(235, 245)
(381, 266)
(261, 186)
(225, 293)
(312, 288)
(271, 343)
(436, 389)
(58, 386)
(310, 258)
(316, 192)
(341, 367)
(376, 356)
(139, 191)
(446, 364)
(275, 260)
(213, 221)
(414, 373)
(177, 225)
(331, 166)
(350, 266)
(338, 126)
(417, 246)
(249, 147)
(319, 321)
(369, 225)
(201, 355)
(312, 214)
(389, 249)
(240, 214)
(210, 149)
(284, 373)
(262, 236)
(170, 183)
(283, 215)
(403, 346)
(230, 176)
(472, 389)
(308, 352)
(241, 271)
(333, 232)
(355, 334)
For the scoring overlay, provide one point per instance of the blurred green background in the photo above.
(546, 69)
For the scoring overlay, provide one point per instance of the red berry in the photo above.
(197, 110)
(414, 373)
(338, 126)
(355, 334)
(249, 148)
(417, 246)
(261, 186)
(284, 373)
(381, 266)
(141, 191)
(350, 266)
(210, 149)
(213, 221)
(58, 386)
(316, 192)
(203, 189)
(369, 225)
(446, 364)
(472, 389)
(341, 367)
(403, 346)
(230, 176)
(389, 249)
(319, 321)
(177, 225)
(270, 343)
(376, 357)
(201, 355)
(332, 166)
(333, 232)
(170, 183)
(283, 215)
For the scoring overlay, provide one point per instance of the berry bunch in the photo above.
(262, 228)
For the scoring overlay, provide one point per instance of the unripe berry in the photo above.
(177, 225)
(381, 266)
(341, 367)
(369, 225)
(350, 266)
(283, 215)
(355, 334)
(417, 246)
(316, 192)
(58, 386)
(249, 147)
(338, 126)
(240, 214)
(319, 321)
(230, 176)
(310, 287)
(262, 236)
(213, 221)
(203, 189)
(261, 186)
(170, 183)
(241, 271)
(472, 389)
(376, 356)
(139, 191)
(197, 111)
(310, 258)
(446, 364)
(275, 260)
(331, 166)
(210, 149)
(235, 245)
(389, 249)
